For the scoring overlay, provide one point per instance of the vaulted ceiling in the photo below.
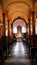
(15, 8)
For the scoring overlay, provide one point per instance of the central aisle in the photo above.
(19, 55)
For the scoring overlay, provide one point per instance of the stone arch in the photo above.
(17, 19)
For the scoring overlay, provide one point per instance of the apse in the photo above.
(21, 23)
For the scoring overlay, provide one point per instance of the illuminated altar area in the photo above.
(19, 33)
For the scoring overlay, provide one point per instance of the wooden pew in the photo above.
(4, 50)
(33, 53)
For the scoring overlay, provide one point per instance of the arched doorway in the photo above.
(19, 27)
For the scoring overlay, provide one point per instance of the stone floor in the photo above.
(19, 55)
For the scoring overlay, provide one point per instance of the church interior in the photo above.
(18, 32)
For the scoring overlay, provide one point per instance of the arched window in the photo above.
(24, 29)
(14, 29)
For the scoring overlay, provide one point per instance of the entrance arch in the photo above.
(18, 18)
(19, 22)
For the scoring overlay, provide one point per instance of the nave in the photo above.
(18, 32)
(19, 54)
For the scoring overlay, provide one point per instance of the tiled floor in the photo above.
(19, 55)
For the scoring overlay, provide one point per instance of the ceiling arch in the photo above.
(18, 6)
(18, 2)
(18, 9)
(17, 14)
(19, 20)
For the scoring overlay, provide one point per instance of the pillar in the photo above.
(11, 30)
(3, 14)
(33, 17)
(8, 32)
(29, 27)
(27, 34)
(33, 20)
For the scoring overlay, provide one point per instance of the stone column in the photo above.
(12, 28)
(3, 14)
(33, 26)
(27, 34)
(8, 32)
(33, 17)
(11, 34)
(33, 22)
(29, 27)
